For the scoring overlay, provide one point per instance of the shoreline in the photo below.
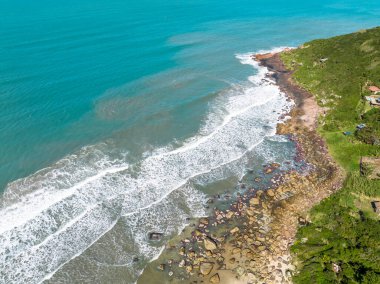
(306, 108)
(250, 242)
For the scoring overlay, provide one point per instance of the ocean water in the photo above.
(116, 117)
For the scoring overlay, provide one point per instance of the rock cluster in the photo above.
(249, 242)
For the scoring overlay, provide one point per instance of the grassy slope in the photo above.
(344, 229)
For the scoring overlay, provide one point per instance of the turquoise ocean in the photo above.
(119, 118)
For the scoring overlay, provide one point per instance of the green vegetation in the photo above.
(367, 169)
(344, 232)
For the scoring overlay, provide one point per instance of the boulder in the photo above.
(215, 279)
(198, 233)
(203, 221)
(268, 170)
(249, 254)
(260, 238)
(236, 251)
(250, 212)
(206, 267)
(262, 56)
(209, 243)
(155, 236)
(261, 248)
(191, 254)
(254, 201)
(275, 165)
(161, 267)
(182, 251)
(240, 271)
(234, 230)
(230, 214)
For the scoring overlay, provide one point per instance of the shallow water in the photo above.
(118, 119)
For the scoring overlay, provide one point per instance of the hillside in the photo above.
(341, 243)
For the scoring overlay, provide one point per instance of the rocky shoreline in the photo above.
(250, 241)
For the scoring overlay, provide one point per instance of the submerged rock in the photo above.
(204, 221)
(155, 236)
(268, 170)
(181, 263)
(161, 267)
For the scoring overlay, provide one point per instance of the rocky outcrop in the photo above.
(250, 241)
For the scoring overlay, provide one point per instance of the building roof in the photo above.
(374, 89)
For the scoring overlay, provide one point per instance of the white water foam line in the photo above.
(49, 275)
(152, 222)
(16, 215)
(242, 129)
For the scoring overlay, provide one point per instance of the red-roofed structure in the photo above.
(374, 89)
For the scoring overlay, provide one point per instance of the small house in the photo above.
(374, 100)
(374, 89)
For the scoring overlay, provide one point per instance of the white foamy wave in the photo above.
(60, 216)
(128, 239)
